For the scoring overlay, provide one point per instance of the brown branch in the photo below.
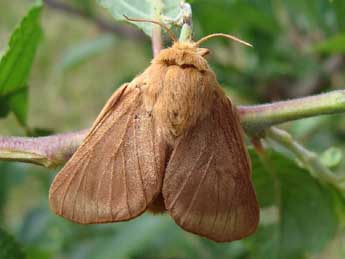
(48, 151)
(108, 26)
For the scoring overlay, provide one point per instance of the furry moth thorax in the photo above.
(181, 88)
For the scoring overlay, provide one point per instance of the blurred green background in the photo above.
(298, 51)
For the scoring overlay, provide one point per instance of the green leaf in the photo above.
(146, 228)
(307, 217)
(227, 16)
(84, 51)
(335, 44)
(3, 190)
(331, 157)
(4, 108)
(339, 8)
(18, 102)
(9, 248)
(16, 62)
(265, 244)
(143, 9)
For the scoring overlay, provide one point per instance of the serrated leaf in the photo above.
(9, 248)
(143, 9)
(15, 64)
(307, 217)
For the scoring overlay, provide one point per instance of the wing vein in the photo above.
(77, 192)
(99, 188)
(69, 186)
(138, 161)
(217, 202)
(228, 213)
(198, 188)
(125, 182)
(172, 204)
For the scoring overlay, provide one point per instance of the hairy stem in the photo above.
(46, 151)
(256, 118)
(54, 150)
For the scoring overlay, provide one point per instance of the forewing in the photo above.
(207, 186)
(117, 171)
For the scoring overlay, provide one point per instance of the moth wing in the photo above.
(207, 187)
(117, 171)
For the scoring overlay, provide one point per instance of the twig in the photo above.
(108, 26)
(156, 39)
(54, 150)
(46, 151)
(259, 117)
(309, 159)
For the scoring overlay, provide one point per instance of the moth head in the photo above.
(188, 54)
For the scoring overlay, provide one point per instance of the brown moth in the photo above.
(170, 140)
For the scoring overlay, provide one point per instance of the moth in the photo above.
(170, 140)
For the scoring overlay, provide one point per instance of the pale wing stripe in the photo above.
(84, 203)
(125, 182)
(138, 161)
(87, 179)
(217, 204)
(228, 214)
(155, 156)
(198, 189)
(111, 188)
(99, 186)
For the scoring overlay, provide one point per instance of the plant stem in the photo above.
(48, 151)
(256, 118)
(156, 38)
(309, 159)
(54, 150)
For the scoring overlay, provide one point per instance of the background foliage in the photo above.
(299, 51)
